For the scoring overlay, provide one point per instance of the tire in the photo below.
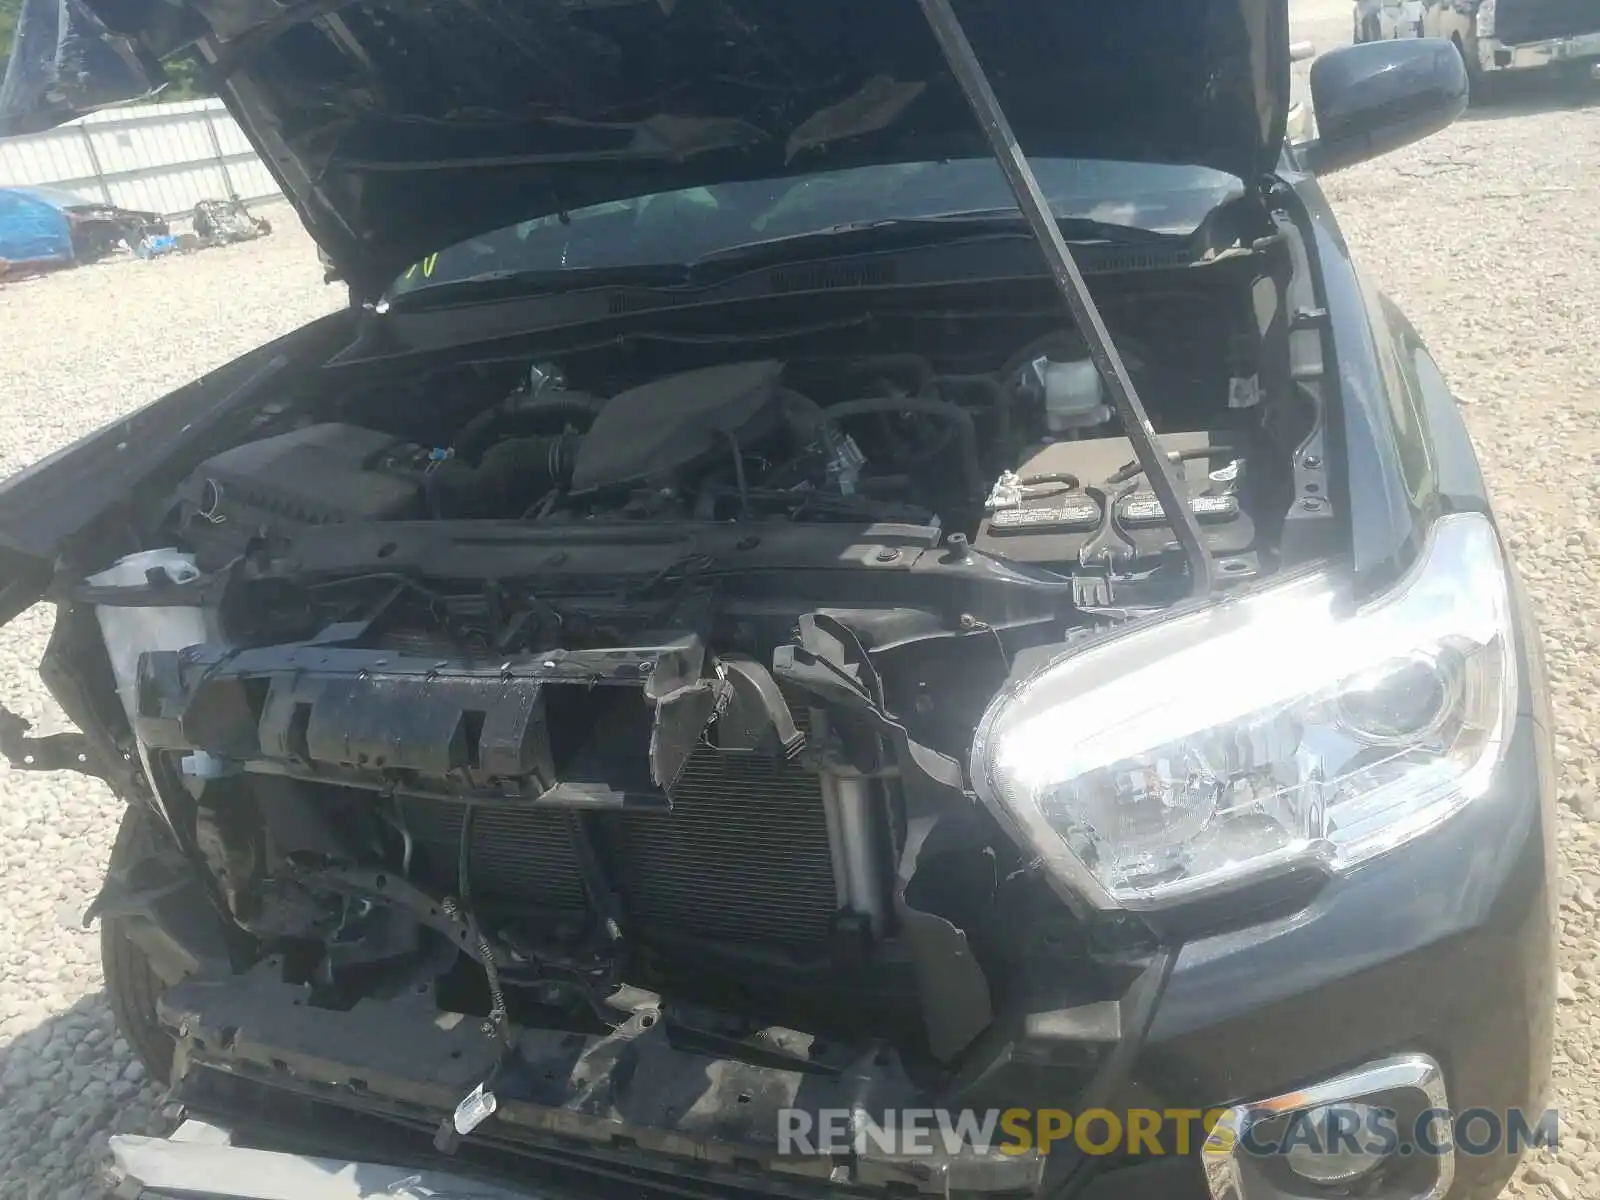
(1477, 82)
(132, 987)
(95, 244)
(1575, 74)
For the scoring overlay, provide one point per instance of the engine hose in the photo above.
(472, 438)
(1134, 469)
(511, 476)
(878, 366)
(960, 418)
(999, 399)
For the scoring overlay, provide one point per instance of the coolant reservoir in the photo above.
(1073, 394)
(129, 632)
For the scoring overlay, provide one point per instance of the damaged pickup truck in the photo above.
(1494, 37)
(843, 558)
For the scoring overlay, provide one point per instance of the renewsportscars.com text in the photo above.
(920, 1132)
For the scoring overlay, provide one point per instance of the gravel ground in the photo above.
(1485, 235)
(77, 350)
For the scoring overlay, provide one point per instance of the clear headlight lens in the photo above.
(1285, 728)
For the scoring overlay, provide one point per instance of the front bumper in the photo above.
(199, 1162)
(1443, 951)
(1494, 55)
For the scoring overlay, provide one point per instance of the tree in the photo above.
(183, 69)
(9, 10)
(185, 80)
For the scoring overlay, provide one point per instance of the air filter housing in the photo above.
(321, 475)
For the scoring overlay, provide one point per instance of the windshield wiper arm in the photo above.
(964, 65)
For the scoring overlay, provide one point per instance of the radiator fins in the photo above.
(742, 857)
(518, 854)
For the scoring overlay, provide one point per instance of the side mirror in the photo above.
(1378, 96)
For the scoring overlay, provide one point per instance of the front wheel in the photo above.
(1477, 78)
(1576, 73)
(132, 987)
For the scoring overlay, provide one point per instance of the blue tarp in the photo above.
(32, 229)
(64, 63)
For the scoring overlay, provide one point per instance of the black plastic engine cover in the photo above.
(320, 475)
(654, 434)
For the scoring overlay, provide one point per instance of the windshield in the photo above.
(672, 228)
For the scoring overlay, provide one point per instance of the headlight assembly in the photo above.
(1290, 727)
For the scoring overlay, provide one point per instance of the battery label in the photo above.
(1075, 515)
(1145, 509)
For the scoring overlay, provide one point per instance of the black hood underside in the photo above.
(404, 126)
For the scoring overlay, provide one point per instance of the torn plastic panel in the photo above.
(663, 1075)
(699, 1093)
(428, 727)
(77, 674)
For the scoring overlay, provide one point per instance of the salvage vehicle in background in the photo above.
(224, 222)
(1302, 123)
(1493, 36)
(45, 227)
(841, 558)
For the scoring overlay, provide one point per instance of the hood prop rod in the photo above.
(957, 50)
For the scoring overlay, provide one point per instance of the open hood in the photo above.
(400, 126)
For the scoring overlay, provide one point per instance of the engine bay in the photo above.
(1018, 453)
(633, 687)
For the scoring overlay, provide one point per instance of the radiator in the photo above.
(743, 856)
